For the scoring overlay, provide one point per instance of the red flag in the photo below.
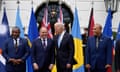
(46, 24)
(91, 24)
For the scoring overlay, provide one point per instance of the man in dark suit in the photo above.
(43, 52)
(16, 51)
(98, 51)
(117, 56)
(64, 49)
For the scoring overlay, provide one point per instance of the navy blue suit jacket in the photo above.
(99, 57)
(65, 53)
(10, 52)
(43, 56)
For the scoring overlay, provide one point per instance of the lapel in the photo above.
(12, 43)
(94, 42)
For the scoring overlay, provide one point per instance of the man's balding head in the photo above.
(97, 29)
(43, 32)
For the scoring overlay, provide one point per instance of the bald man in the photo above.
(64, 49)
(98, 51)
(43, 52)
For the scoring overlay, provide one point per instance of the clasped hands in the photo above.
(15, 61)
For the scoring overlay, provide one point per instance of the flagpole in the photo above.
(4, 4)
(92, 3)
(32, 3)
(18, 2)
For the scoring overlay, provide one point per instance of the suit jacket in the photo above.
(43, 56)
(99, 57)
(10, 52)
(65, 52)
(117, 55)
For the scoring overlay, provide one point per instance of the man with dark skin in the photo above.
(16, 51)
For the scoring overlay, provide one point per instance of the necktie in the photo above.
(59, 41)
(97, 42)
(44, 44)
(16, 45)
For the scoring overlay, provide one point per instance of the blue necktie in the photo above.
(59, 41)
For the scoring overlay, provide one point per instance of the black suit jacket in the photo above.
(43, 56)
(65, 53)
(117, 55)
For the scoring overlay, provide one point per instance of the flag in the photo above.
(32, 30)
(4, 34)
(107, 31)
(60, 15)
(90, 27)
(32, 34)
(118, 33)
(46, 24)
(91, 24)
(79, 67)
(19, 23)
(4, 29)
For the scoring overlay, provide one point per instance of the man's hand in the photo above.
(50, 66)
(35, 66)
(107, 66)
(13, 60)
(19, 61)
(68, 65)
(88, 66)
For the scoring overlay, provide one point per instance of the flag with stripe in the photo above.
(45, 22)
(91, 23)
(32, 34)
(60, 15)
(79, 67)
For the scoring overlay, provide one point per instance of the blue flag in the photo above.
(32, 30)
(4, 29)
(19, 23)
(108, 25)
(118, 33)
(32, 34)
(4, 34)
(79, 67)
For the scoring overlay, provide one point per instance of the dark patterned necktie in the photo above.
(16, 45)
(44, 44)
(97, 42)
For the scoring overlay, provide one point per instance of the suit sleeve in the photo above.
(33, 53)
(87, 53)
(71, 49)
(52, 53)
(117, 54)
(27, 51)
(109, 51)
(5, 51)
